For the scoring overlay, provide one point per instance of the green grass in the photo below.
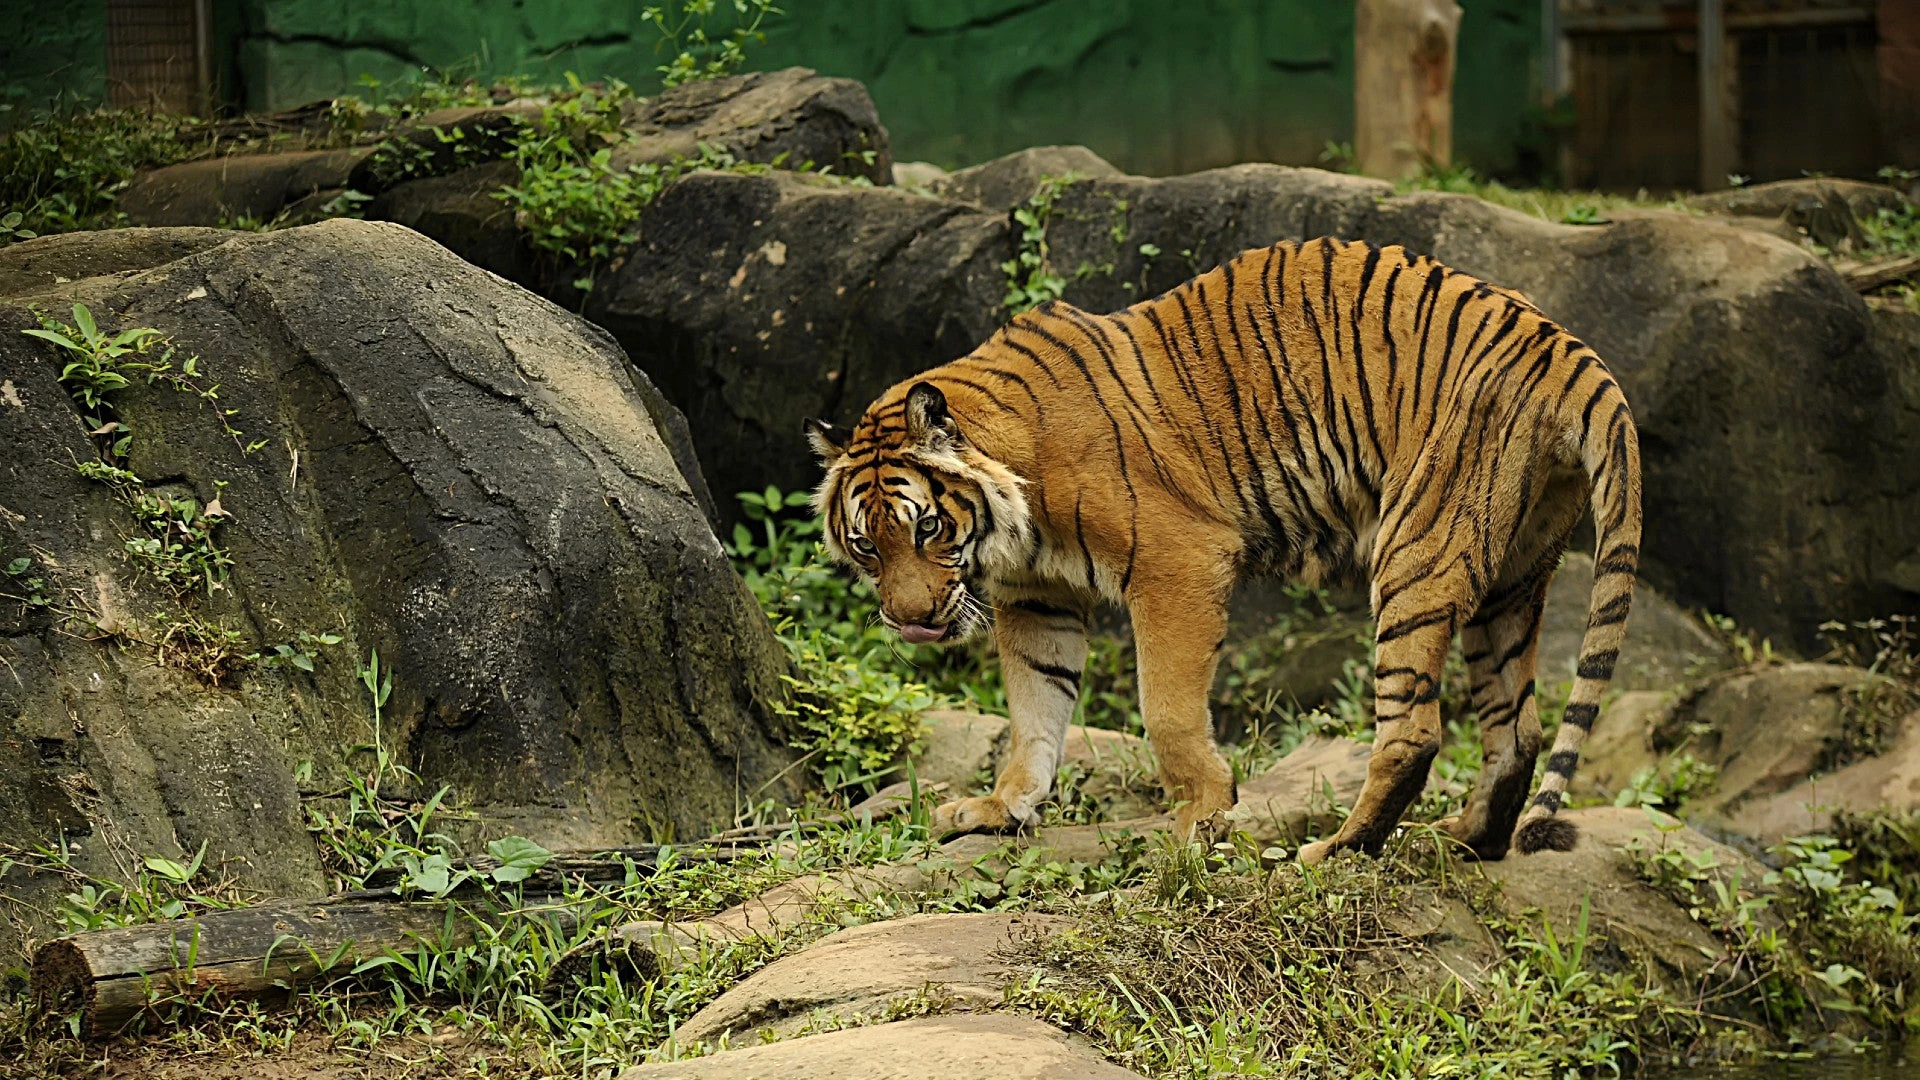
(1182, 962)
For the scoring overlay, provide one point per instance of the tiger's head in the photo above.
(916, 508)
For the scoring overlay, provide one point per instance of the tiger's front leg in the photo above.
(1180, 625)
(1043, 649)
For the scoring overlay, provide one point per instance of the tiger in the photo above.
(1326, 412)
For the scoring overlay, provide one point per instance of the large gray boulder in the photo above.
(1779, 418)
(437, 465)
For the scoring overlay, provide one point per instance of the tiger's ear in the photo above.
(826, 440)
(929, 424)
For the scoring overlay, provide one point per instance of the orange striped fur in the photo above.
(1316, 410)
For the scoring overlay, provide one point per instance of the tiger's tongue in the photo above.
(918, 634)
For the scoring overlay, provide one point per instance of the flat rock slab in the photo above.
(936, 1048)
(1642, 927)
(855, 973)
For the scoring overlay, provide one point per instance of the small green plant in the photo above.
(25, 587)
(10, 227)
(1031, 278)
(1582, 215)
(699, 53)
(298, 653)
(1669, 785)
(179, 548)
(1337, 156)
(64, 170)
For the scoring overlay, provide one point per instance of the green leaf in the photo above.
(11, 220)
(83, 319)
(18, 566)
(432, 875)
(302, 661)
(168, 869)
(519, 858)
(61, 340)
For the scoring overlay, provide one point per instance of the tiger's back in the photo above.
(1319, 411)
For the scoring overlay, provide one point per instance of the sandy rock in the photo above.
(1644, 929)
(228, 188)
(792, 115)
(1774, 733)
(1007, 182)
(856, 973)
(47, 262)
(1305, 792)
(1824, 209)
(935, 1048)
(916, 174)
(1889, 782)
(963, 751)
(1665, 646)
(1621, 744)
(483, 492)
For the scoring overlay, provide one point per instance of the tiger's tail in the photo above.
(1609, 449)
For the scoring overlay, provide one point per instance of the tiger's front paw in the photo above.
(985, 814)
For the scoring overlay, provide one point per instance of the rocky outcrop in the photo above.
(854, 975)
(1779, 426)
(1782, 745)
(934, 1048)
(438, 172)
(1825, 210)
(435, 464)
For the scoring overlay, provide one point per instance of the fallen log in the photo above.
(1868, 276)
(112, 977)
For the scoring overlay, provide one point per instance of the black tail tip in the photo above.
(1546, 833)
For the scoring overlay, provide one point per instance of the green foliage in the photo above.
(298, 653)
(64, 171)
(179, 547)
(1813, 944)
(701, 53)
(1031, 278)
(858, 712)
(24, 587)
(1871, 712)
(1670, 784)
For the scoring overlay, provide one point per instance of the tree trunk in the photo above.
(1403, 85)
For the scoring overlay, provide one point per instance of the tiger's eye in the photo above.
(928, 527)
(862, 546)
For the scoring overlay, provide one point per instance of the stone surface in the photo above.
(1644, 930)
(792, 117)
(854, 974)
(934, 1048)
(1888, 782)
(1779, 419)
(482, 492)
(1826, 210)
(1305, 793)
(1665, 646)
(44, 264)
(1773, 733)
(1008, 182)
(1115, 770)
(222, 189)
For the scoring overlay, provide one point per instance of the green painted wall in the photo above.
(49, 51)
(1156, 86)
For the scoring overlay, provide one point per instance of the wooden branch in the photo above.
(1866, 277)
(112, 977)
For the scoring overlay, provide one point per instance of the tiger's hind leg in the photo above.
(1416, 625)
(1501, 643)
